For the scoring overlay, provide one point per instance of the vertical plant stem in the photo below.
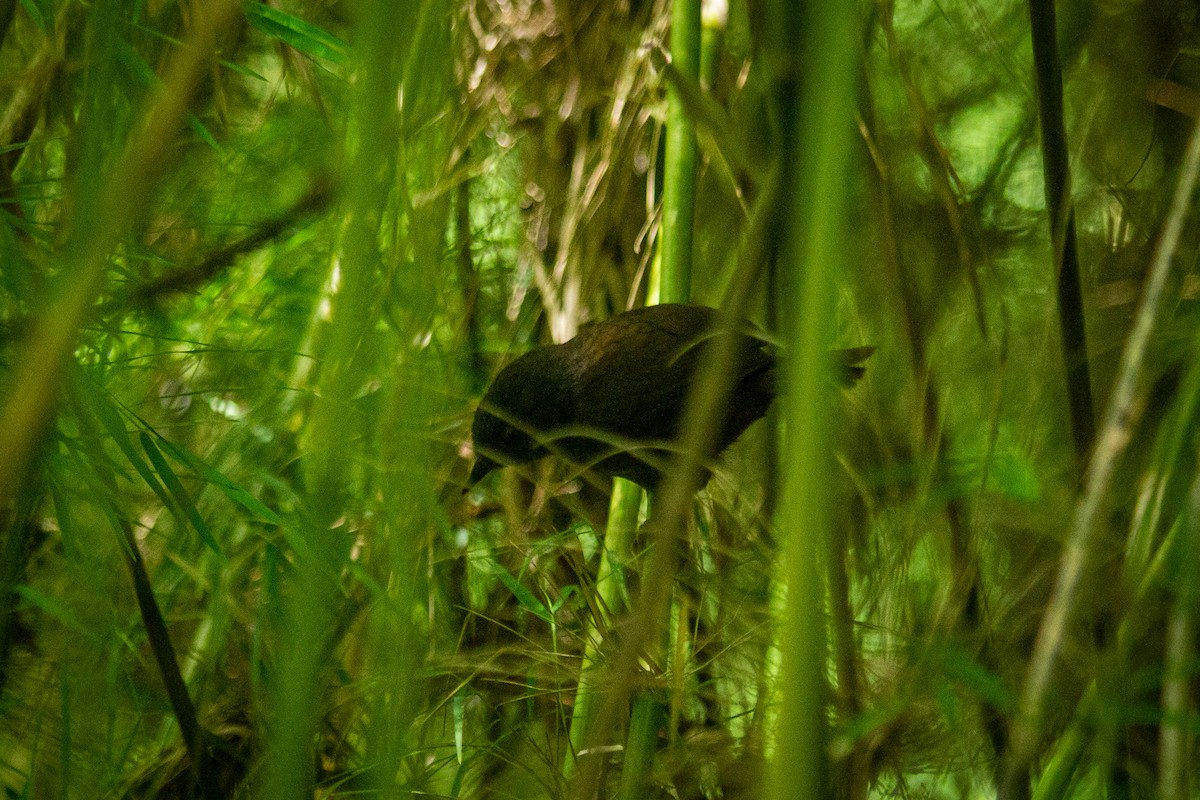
(195, 738)
(1175, 732)
(645, 718)
(314, 598)
(714, 20)
(679, 170)
(1057, 181)
(468, 279)
(673, 282)
(421, 141)
(610, 584)
(678, 660)
(817, 104)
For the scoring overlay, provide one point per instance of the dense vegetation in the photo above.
(258, 262)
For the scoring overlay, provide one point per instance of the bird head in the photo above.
(499, 442)
(530, 397)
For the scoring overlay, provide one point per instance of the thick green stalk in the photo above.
(679, 169)
(398, 643)
(674, 286)
(645, 718)
(817, 120)
(715, 18)
(670, 282)
(610, 585)
(312, 601)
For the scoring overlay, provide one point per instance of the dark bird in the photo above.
(612, 399)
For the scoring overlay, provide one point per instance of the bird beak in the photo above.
(483, 465)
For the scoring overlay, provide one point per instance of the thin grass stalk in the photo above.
(945, 183)
(1114, 435)
(1175, 730)
(675, 495)
(107, 205)
(678, 661)
(1174, 743)
(819, 125)
(854, 773)
(1143, 570)
(24, 110)
(214, 264)
(1146, 575)
(964, 604)
(195, 739)
(468, 278)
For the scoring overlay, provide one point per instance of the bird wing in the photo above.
(637, 369)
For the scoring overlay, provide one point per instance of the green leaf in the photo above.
(368, 582)
(226, 486)
(145, 75)
(175, 487)
(524, 597)
(110, 419)
(207, 472)
(66, 521)
(297, 34)
(984, 683)
(35, 13)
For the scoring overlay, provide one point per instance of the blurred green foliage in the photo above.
(289, 304)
